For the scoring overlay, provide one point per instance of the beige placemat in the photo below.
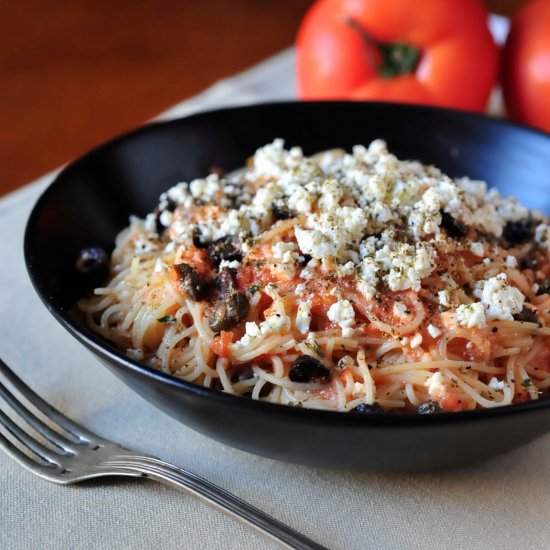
(503, 503)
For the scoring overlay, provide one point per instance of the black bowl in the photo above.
(90, 201)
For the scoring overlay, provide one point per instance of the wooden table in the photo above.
(75, 73)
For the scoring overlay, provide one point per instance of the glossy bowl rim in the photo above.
(116, 357)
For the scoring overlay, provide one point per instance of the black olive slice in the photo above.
(308, 369)
(229, 311)
(190, 282)
(363, 408)
(92, 259)
(429, 407)
(519, 232)
(526, 315)
(454, 228)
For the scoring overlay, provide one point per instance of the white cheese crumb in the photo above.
(179, 194)
(303, 317)
(275, 324)
(300, 289)
(436, 385)
(400, 309)
(205, 189)
(143, 245)
(343, 314)
(470, 315)
(496, 384)
(285, 252)
(150, 223)
(501, 300)
(135, 353)
(477, 249)
(542, 235)
(252, 329)
(433, 331)
(166, 218)
(510, 261)
(159, 266)
(445, 298)
(346, 270)
(416, 340)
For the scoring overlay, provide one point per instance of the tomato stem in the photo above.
(395, 58)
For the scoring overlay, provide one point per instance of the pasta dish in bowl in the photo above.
(312, 282)
(342, 281)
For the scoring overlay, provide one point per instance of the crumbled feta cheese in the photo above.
(135, 353)
(436, 384)
(400, 309)
(501, 300)
(275, 324)
(406, 265)
(150, 223)
(346, 270)
(233, 264)
(511, 211)
(342, 314)
(179, 194)
(358, 389)
(303, 317)
(366, 214)
(300, 289)
(252, 329)
(143, 245)
(477, 249)
(416, 340)
(205, 189)
(542, 235)
(510, 261)
(166, 218)
(433, 331)
(470, 315)
(285, 252)
(445, 298)
(333, 234)
(159, 266)
(496, 384)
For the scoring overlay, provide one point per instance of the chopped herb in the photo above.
(443, 308)
(167, 319)
(526, 382)
(254, 288)
(314, 346)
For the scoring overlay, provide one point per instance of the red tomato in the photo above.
(526, 66)
(220, 344)
(431, 51)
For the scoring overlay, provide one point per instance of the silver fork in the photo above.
(78, 455)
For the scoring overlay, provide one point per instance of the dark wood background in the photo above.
(74, 73)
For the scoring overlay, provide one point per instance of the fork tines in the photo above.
(46, 454)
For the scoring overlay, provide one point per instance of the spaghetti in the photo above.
(347, 282)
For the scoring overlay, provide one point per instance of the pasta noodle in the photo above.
(343, 281)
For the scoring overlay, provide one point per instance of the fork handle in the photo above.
(169, 474)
